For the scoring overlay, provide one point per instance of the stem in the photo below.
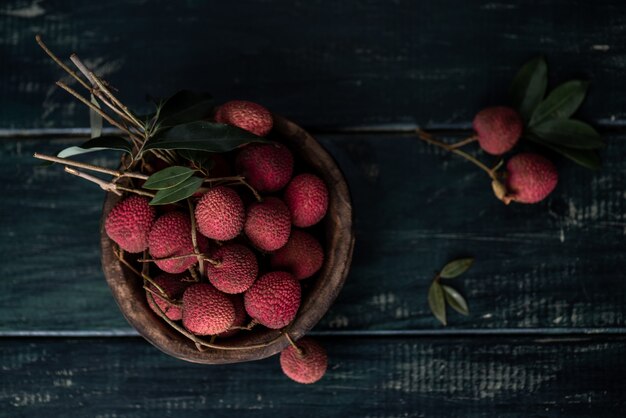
(201, 342)
(107, 186)
(59, 62)
(90, 167)
(95, 108)
(293, 344)
(163, 296)
(120, 256)
(431, 140)
(178, 257)
(194, 237)
(106, 91)
(463, 142)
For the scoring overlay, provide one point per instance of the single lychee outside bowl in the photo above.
(338, 242)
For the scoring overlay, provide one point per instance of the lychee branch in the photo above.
(90, 167)
(464, 142)
(425, 136)
(119, 254)
(293, 344)
(179, 257)
(59, 62)
(107, 186)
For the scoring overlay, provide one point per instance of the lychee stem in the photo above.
(163, 296)
(201, 342)
(293, 344)
(464, 142)
(107, 186)
(178, 257)
(90, 167)
(194, 238)
(425, 136)
(97, 110)
(119, 254)
(59, 62)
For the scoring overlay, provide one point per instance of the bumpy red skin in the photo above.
(174, 286)
(302, 256)
(129, 223)
(240, 316)
(305, 368)
(246, 115)
(236, 271)
(274, 299)
(170, 236)
(307, 199)
(266, 167)
(268, 224)
(498, 129)
(220, 214)
(530, 178)
(206, 310)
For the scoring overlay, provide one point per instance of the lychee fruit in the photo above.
(174, 286)
(206, 310)
(240, 316)
(170, 236)
(302, 256)
(268, 224)
(246, 115)
(307, 199)
(129, 223)
(266, 167)
(274, 299)
(498, 129)
(530, 178)
(307, 364)
(220, 214)
(235, 270)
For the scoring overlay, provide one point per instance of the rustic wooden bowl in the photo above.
(339, 242)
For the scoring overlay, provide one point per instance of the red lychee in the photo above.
(240, 316)
(530, 178)
(174, 286)
(498, 129)
(170, 236)
(274, 299)
(307, 365)
(246, 115)
(206, 310)
(266, 167)
(302, 255)
(268, 224)
(236, 268)
(220, 214)
(307, 199)
(129, 223)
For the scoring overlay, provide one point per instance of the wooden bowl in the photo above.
(338, 234)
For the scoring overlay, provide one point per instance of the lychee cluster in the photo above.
(249, 237)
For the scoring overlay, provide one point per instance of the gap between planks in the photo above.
(539, 333)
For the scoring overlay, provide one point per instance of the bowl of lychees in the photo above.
(226, 230)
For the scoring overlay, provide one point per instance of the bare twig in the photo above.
(90, 167)
(60, 63)
(105, 185)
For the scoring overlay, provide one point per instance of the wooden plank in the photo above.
(367, 63)
(555, 265)
(366, 378)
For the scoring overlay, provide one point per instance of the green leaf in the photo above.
(168, 177)
(561, 103)
(95, 120)
(185, 106)
(529, 86)
(100, 143)
(456, 268)
(178, 192)
(455, 300)
(436, 302)
(586, 158)
(569, 133)
(202, 136)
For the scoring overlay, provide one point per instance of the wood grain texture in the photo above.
(347, 64)
(555, 265)
(366, 378)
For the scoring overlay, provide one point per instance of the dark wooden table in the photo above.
(546, 334)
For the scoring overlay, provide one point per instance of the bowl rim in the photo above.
(339, 234)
